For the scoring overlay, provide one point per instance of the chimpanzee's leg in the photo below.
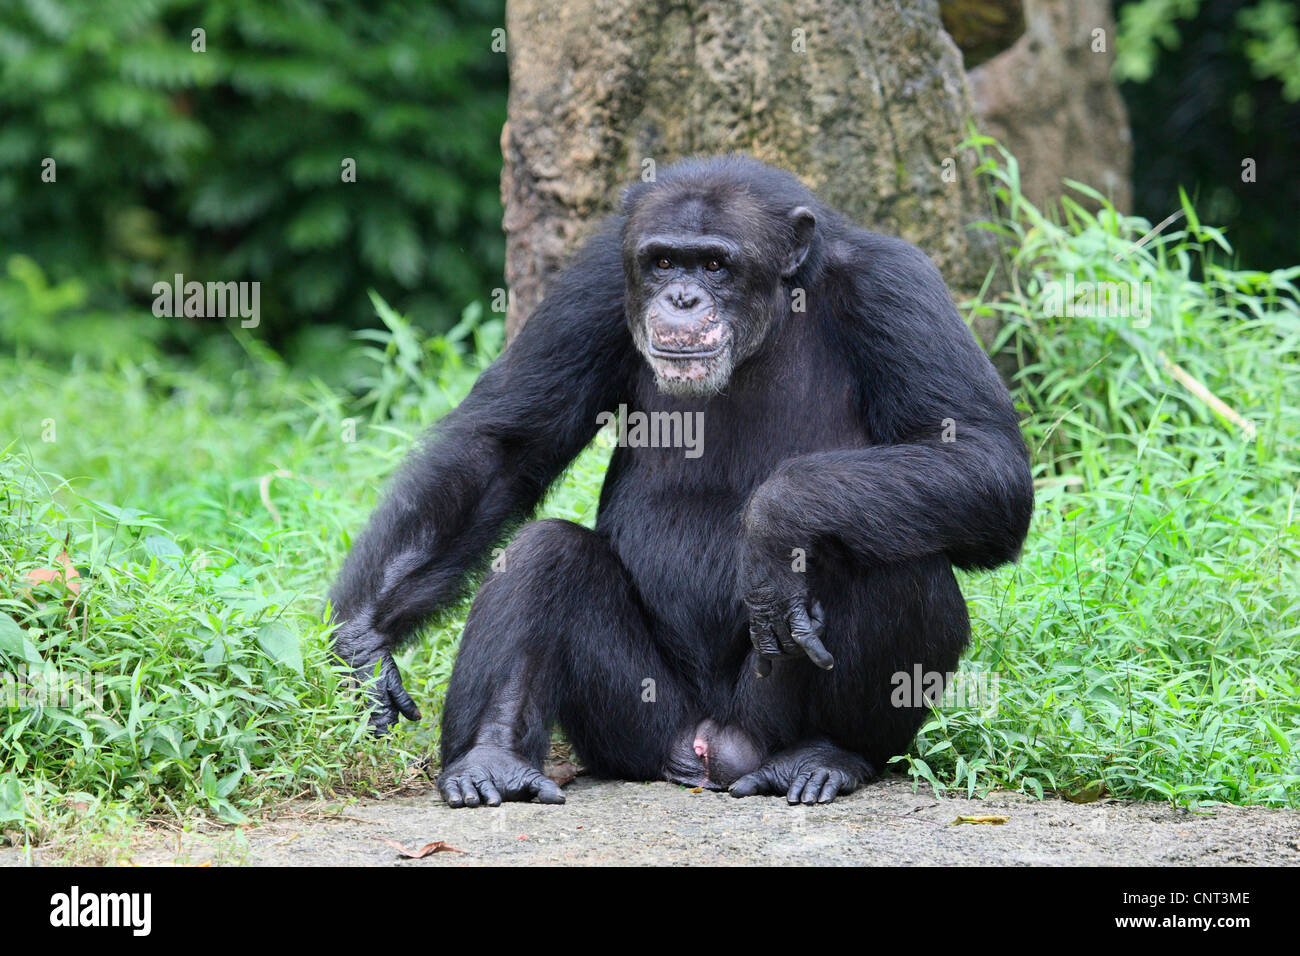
(558, 632)
(833, 731)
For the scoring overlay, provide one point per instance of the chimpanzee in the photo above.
(739, 614)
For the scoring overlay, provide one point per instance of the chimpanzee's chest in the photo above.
(680, 477)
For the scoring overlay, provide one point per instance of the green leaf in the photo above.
(15, 643)
(281, 644)
(215, 652)
(12, 809)
(164, 549)
(127, 517)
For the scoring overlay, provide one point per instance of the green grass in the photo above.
(1147, 644)
(205, 511)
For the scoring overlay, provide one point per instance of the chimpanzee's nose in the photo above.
(683, 298)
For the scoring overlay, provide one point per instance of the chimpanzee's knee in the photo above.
(551, 547)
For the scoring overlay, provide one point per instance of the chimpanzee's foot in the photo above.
(711, 756)
(491, 774)
(812, 772)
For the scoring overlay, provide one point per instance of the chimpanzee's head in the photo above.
(708, 250)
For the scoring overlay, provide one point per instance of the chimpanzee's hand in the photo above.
(785, 626)
(784, 622)
(364, 648)
(387, 696)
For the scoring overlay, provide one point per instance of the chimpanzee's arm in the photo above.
(948, 473)
(484, 466)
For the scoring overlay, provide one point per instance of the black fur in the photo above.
(827, 435)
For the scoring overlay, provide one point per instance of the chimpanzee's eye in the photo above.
(713, 265)
(663, 263)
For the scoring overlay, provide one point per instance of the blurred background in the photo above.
(177, 491)
(227, 164)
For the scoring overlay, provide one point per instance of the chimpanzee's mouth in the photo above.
(690, 370)
(685, 354)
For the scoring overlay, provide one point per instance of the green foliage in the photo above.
(1212, 89)
(409, 381)
(1147, 642)
(168, 671)
(1268, 30)
(54, 320)
(226, 164)
(1273, 46)
(1144, 27)
(187, 668)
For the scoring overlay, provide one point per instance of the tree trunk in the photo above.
(866, 101)
(1050, 100)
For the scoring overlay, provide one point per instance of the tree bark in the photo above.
(1050, 100)
(866, 101)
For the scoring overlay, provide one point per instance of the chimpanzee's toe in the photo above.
(814, 772)
(490, 775)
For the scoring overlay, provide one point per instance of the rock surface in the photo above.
(611, 823)
(865, 101)
(1050, 99)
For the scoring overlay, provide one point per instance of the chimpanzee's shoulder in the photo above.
(882, 287)
(873, 258)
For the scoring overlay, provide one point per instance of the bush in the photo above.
(1148, 643)
(176, 659)
(225, 165)
(150, 673)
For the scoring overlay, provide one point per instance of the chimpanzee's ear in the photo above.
(633, 194)
(803, 222)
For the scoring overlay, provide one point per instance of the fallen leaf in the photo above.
(563, 772)
(427, 850)
(67, 574)
(989, 818)
(1089, 794)
(695, 790)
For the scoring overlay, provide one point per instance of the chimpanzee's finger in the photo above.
(382, 718)
(763, 637)
(813, 787)
(544, 788)
(749, 785)
(831, 788)
(817, 616)
(795, 790)
(402, 700)
(806, 636)
(785, 641)
(397, 695)
(451, 793)
(762, 666)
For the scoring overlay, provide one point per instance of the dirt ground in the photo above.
(662, 824)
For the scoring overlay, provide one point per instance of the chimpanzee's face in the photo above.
(703, 293)
(692, 313)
